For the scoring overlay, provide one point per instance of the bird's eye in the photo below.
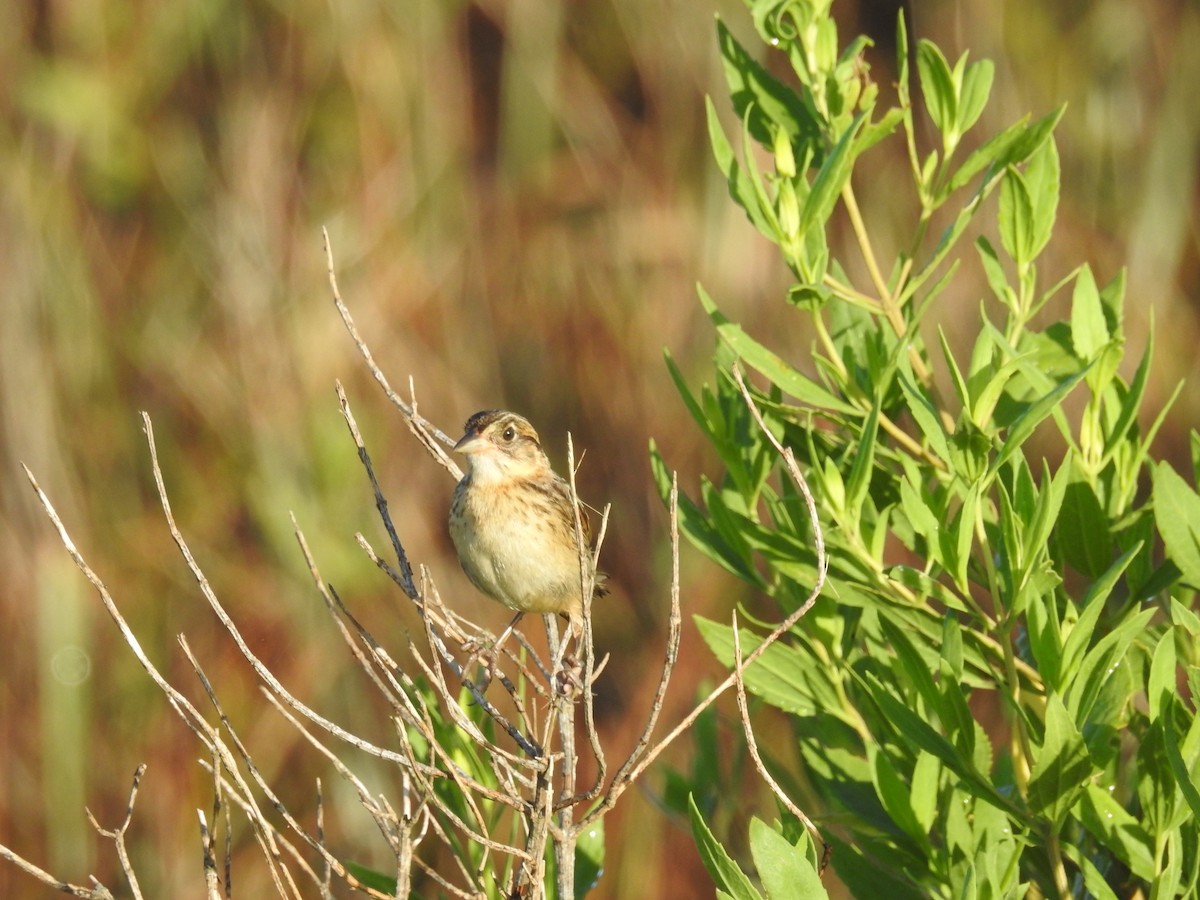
(509, 433)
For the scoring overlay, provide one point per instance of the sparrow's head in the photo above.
(500, 445)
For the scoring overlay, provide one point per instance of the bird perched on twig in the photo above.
(513, 523)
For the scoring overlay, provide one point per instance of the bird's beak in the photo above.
(471, 443)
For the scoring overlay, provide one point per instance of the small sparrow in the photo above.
(513, 524)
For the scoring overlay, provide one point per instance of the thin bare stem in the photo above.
(623, 775)
(752, 745)
(212, 882)
(117, 835)
(96, 892)
(406, 574)
(260, 669)
(621, 782)
(426, 432)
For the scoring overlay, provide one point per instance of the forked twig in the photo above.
(752, 745)
(629, 773)
(117, 835)
(426, 432)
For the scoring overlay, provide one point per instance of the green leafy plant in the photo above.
(994, 694)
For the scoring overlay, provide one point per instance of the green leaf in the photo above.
(863, 467)
(952, 650)
(925, 415)
(976, 87)
(786, 872)
(1048, 509)
(937, 86)
(964, 537)
(742, 188)
(1061, 766)
(920, 516)
(1092, 605)
(1131, 402)
(1024, 424)
(960, 383)
(1012, 145)
(1093, 878)
(1089, 331)
(699, 528)
(1041, 180)
(912, 669)
(784, 376)
(830, 180)
(1082, 530)
(725, 873)
(1100, 663)
(1045, 636)
(923, 798)
(967, 887)
(1182, 769)
(689, 399)
(372, 879)
(917, 733)
(927, 586)
(1167, 882)
(994, 272)
(760, 99)
(1117, 830)
(589, 858)
(1160, 684)
(895, 796)
(874, 132)
(1016, 218)
(784, 676)
(1177, 515)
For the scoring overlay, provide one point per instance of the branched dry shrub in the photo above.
(484, 741)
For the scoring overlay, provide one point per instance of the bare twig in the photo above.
(191, 717)
(325, 884)
(587, 579)
(212, 885)
(626, 777)
(117, 835)
(96, 892)
(426, 432)
(752, 746)
(260, 669)
(406, 575)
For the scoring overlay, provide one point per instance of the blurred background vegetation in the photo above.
(520, 198)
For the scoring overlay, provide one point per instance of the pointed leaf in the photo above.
(916, 732)
(1177, 515)
(741, 187)
(1082, 531)
(786, 873)
(859, 480)
(1089, 331)
(1024, 425)
(1016, 218)
(937, 86)
(1061, 766)
(926, 417)
(830, 180)
(724, 871)
(1183, 770)
(765, 361)
(894, 795)
(1117, 830)
(1041, 180)
(976, 87)
(760, 99)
